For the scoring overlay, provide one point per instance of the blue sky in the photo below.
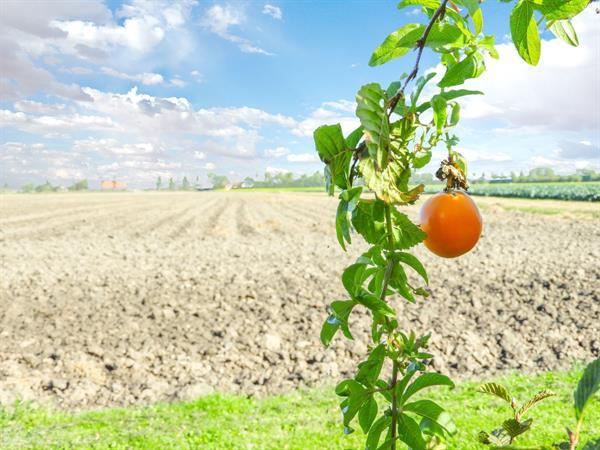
(135, 90)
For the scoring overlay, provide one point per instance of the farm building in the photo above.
(112, 185)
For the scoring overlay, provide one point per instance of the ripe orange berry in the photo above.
(452, 223)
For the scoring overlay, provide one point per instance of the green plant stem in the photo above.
(386, 279)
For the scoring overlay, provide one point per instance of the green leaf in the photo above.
(348, 201)
(353, 278)
(426, 380)
(397, 44)
(560, 9)
(565, 31)
(413, 262)
(496, 389)
(341, 310)
(460, 161)
(477, 17)
(409, 432)
(471, 5)
(370, 109)
(330, 327)
(440, 113)
(390, 183)
(432, 411)
(588, 385)
(449, 95)
(455, 116)
(419, 86)
(421, 159)
(470, 67)
(534, 401)
(375, 304)
(368, 220)
(356, 396)
(398, 281)
(367, 414)
(369, 370)
(354, 138)
(524, 32)
(376, 431)
(487, 43)
(592, 445)
(444, 35)
(406, 233)
(515, 428)
(430, 4)
(331, 148)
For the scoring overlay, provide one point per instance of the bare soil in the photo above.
(132, 298)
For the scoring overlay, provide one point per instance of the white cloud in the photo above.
(479, 157)
(29, 106)
(276, 170)
(219, 19)
(302, 158)
(114, 147)
(53, 125)
(209, 166)
(329, 113)
(277, 152)
(177, 82)
(273, 11)
(561, 93)
(146, 78)
(199, 155)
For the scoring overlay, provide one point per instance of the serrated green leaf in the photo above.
(331, 147)
(371, 111)
(368, 220)
(534, 401)
(524, 32)
(353, 278)
(440, 113)
(515, 428)
(341, 310)
(496, 389)
(559, 9)
(413, 261)
(588, 385)
(407, 234)
(460, 161)
(425, 380)
(565, 31)
(419, 86)
(431, 410)
(471, 5)
(377, 429)
(398, 281)
(397, 44)
(470, 67)
(410, 433)
(367, 414)
(388, 183)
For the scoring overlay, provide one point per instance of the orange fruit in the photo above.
(452, 223)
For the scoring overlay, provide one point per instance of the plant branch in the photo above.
(420, 47)
(394, 424)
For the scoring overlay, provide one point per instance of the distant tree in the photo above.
(27, 188)
(185, 184)
(158, 183)
(218, 181)
(46, 187)
(171, 184)
(79, 186)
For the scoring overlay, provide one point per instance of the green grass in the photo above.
(302, 420)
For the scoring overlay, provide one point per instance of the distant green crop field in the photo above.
(588, 191)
